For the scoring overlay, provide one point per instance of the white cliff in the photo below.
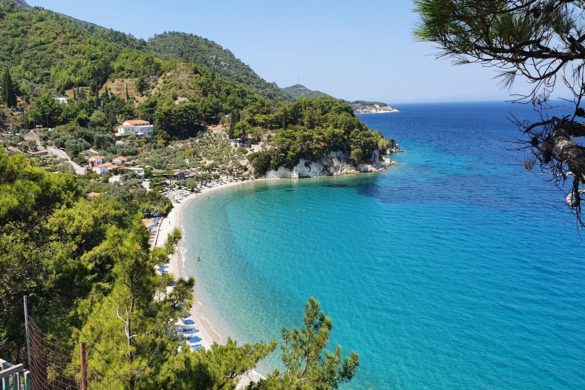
(334, 164)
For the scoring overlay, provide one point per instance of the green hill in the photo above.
(192, 48)
(179, 82)
(299, 91)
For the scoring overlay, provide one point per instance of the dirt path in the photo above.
(79, 170)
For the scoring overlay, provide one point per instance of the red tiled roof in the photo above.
(107, 165)
(137, 122)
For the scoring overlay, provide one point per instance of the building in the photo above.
(96, 160)
(120, 160)
(104, 169)
(136, 127)
(237, 142)
(138, 171)
(61, 99)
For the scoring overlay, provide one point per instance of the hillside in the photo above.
(110, 77)
(299, 91)
(63, 40)
(46, 50)
(192, 48)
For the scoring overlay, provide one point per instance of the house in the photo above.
(237, 142)
(136, 127)
(61, 99)
(96, 160)
(138, 171)
(120, 160)
(104, 169)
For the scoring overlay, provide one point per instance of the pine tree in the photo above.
(8, 93)
(307, 364)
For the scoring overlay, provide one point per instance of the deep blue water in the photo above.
(458, 269)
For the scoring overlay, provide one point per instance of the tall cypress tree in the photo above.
(8, 93)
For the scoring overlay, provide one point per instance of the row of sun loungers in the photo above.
(186, 329)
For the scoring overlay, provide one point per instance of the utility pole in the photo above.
(83, 366)
(26, 330)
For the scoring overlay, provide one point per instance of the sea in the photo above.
(459, 269)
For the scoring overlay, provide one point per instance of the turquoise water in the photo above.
(456, 270)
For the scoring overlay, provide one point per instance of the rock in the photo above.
(334, 164)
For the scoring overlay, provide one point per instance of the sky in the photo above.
(348, 49)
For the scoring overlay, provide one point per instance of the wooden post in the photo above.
(83, 366)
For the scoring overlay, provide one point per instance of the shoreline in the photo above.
(177, 262)
(208, 331)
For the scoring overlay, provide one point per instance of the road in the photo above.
(79, 170)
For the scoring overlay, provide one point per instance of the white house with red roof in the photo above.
(104, 169)
(96, 160)
(136, 127)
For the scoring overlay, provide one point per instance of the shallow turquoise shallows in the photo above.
(458, 269)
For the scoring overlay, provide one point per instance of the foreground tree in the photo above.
(307, 364)
(218, 368)
(541, 41)
(127, 333)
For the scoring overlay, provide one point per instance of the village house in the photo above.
(96, 160)
(139, 171)
(104, 169)
(120, 160)
(136, 127)
(237, 142)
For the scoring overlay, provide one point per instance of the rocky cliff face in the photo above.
(335, 164)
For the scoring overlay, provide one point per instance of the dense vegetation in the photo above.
(299, 91)
(191, 48)
(311, 129)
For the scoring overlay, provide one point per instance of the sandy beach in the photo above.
(208, 333)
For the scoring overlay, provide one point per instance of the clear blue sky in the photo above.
(349, 49)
